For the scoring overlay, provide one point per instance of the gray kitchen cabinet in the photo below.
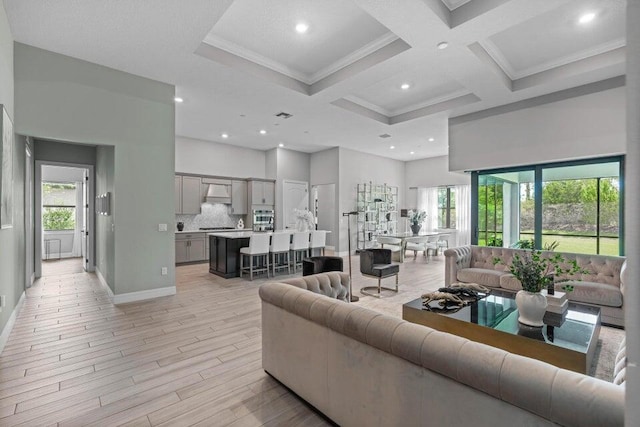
(177, 193)
(182, 251)
(239, 197)
(262, 192)
(190, 247)
(191, 195)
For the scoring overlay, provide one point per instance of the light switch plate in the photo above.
(164, 271)
(162, 227)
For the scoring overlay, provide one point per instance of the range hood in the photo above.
(219, 193)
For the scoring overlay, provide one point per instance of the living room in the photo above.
(56, 88)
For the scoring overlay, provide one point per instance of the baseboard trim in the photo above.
(4, 337)
(104, 283)
(143, 295)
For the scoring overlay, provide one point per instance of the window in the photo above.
(576, 205)
(446, 207)
(58, 206)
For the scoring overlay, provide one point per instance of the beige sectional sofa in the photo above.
(603, 286)
(363, 368)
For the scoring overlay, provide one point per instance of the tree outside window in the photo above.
(58, 206)
(446, 207)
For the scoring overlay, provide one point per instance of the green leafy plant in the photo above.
(495, 241)
(58, 219)
(529, 244)
(416, 217)
(535, 271)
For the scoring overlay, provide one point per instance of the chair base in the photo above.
(366, 289)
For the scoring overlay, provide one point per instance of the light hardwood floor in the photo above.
(73, 358)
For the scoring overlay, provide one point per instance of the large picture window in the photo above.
(58, 206)
(446, 207)
(576, 205)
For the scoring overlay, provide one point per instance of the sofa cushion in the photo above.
(509, 281)
(384, 270)
(480, 275)
(593, 293)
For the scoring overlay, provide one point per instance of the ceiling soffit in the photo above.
(342, 40)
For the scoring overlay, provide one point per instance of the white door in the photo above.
(85, 221)
(295, 195)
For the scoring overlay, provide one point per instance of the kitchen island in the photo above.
(224, 252)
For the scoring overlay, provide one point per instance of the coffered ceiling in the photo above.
(237, 63)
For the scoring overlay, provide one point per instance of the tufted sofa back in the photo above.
(600, 268)
(331, 284)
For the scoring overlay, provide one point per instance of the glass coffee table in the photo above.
(568, 341)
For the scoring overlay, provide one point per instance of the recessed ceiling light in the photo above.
(178, 99)
(225, 135)
(263, 132)
(442, 45)
(392, 147)
(587, 17)
(301, 27)
(412, 152)
(281, 145)
(405, 86)
(431, 139)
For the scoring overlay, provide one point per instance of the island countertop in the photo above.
(243, 234)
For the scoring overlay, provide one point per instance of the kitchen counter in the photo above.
(206, 231)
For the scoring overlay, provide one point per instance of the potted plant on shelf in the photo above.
(416, 218)
(536, 271)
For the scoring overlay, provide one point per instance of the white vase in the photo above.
(531, 308)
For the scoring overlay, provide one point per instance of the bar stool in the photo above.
(280, 248)
(299, 246)
(318, 241)
(258, 247)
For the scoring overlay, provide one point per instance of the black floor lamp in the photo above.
(352, 297)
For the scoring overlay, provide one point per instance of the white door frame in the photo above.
(284, 184)
(38, 212)
(28, 217)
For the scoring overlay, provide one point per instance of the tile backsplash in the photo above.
(212, 215)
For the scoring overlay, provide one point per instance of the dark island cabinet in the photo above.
(224, 255)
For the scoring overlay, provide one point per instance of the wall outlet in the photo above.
(164, 271)
(162, 227)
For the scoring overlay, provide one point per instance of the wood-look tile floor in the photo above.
(74, 359)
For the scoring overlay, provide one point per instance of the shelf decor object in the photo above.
(377, 208)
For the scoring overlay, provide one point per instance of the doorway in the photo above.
(295, 196)
(323, 197)
(64, 218)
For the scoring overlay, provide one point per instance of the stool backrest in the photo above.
(300, 240)
(318, 239)
(280, 242)
(259, 243)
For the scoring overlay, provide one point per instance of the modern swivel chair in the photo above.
(258, 248)
(321, 264)
(377, 263)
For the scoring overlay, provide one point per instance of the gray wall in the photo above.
(590, 123)
(291, 165)
(105, 237)
(212, 158)
(52, 151)
(103, 106)
(431, 172)
(12, 243)
(323, 169)
(357, 168)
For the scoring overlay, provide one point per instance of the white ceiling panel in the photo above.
(454, 4)
(338, 34)
(557, 37)
(426, 87)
